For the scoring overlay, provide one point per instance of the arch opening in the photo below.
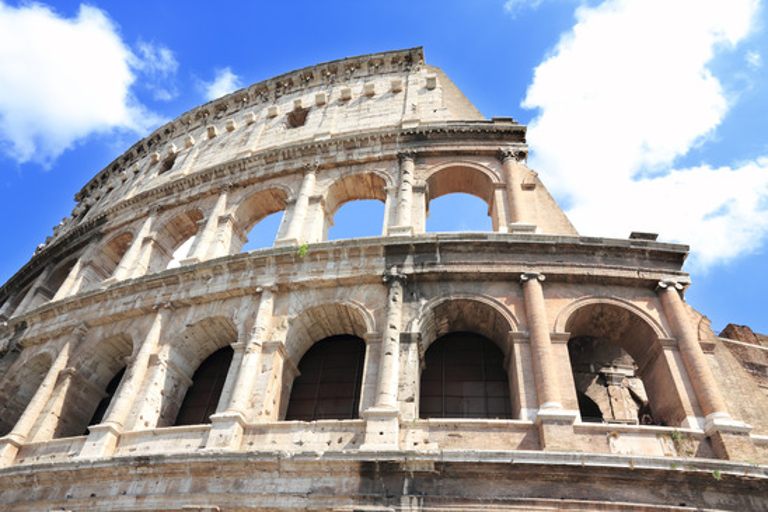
(174, 241)
(464, 377)
(260, 216)
(357, 219)
(458, 212)
(617, 361)
(16, 393)
(202, 397)
(358, 195)
(329, 382)
(264, 233)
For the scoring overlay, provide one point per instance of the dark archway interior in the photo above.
(203, 395)
(330, 380)
(464, 377)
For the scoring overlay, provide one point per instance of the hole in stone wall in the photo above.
(297, 117)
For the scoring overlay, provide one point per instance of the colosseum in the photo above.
(150, 363)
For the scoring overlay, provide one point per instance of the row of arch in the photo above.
(468, 366)
(204, 231)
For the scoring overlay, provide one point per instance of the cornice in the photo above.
(224, 275)
(266, 91)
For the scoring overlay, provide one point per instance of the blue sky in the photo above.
(644, 115)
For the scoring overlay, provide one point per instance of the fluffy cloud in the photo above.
(62, 80)
(224, 82)
(159, 66)
(627, 92)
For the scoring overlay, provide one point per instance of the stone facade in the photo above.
(609, 390)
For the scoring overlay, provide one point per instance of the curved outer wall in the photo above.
(111, 289)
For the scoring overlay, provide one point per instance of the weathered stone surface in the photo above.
(680, 424)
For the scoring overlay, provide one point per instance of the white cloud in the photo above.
(624, 94)
(62, 80)
(159, 66)
(224, 82)
(513, 7)
(754, 59)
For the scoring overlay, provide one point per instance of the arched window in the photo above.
(101, 409)
(458, 212)
(264, 233)
(18, 390)
(203, 395)
(357, 219)
(616, 363)
(464, 377)
(606, 380)
(330, 380)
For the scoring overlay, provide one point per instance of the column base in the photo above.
(730, 438)
(109, 281)
(556, 428)
(190, 261)
(382, 429)
(9, 448)
(400, 231)
(102, 441)
(226, 431)
(521, 227)
(286, 242)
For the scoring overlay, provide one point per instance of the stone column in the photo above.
(300, 207)
(541, 344)
(403, 223)
(207, 235)
(389, 208)
(227, 427)
(132, 254)
(102, 439)
(29, 298)
(555, 423)
(717, 418)
(10, 444)
(382, 420)
(514, 172)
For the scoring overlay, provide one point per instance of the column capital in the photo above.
(394, 275)
(311, 167)
(517, 155)
(527, 276)
(80, 330)
(410, 154)
(675, 284)
(163, 306)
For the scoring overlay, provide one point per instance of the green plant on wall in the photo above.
(302, 250)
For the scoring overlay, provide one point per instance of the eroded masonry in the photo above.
(150, 364)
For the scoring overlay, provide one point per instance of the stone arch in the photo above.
(595, 325)
(96, 364)
(486, 316)
(254, 208)
(171, 236)
(326, 320)
(19, 386)
(564, 314)
(182, 356)
(355, 187)
(464, 177)
(475, 329)
(104, 264)
(56, 279)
